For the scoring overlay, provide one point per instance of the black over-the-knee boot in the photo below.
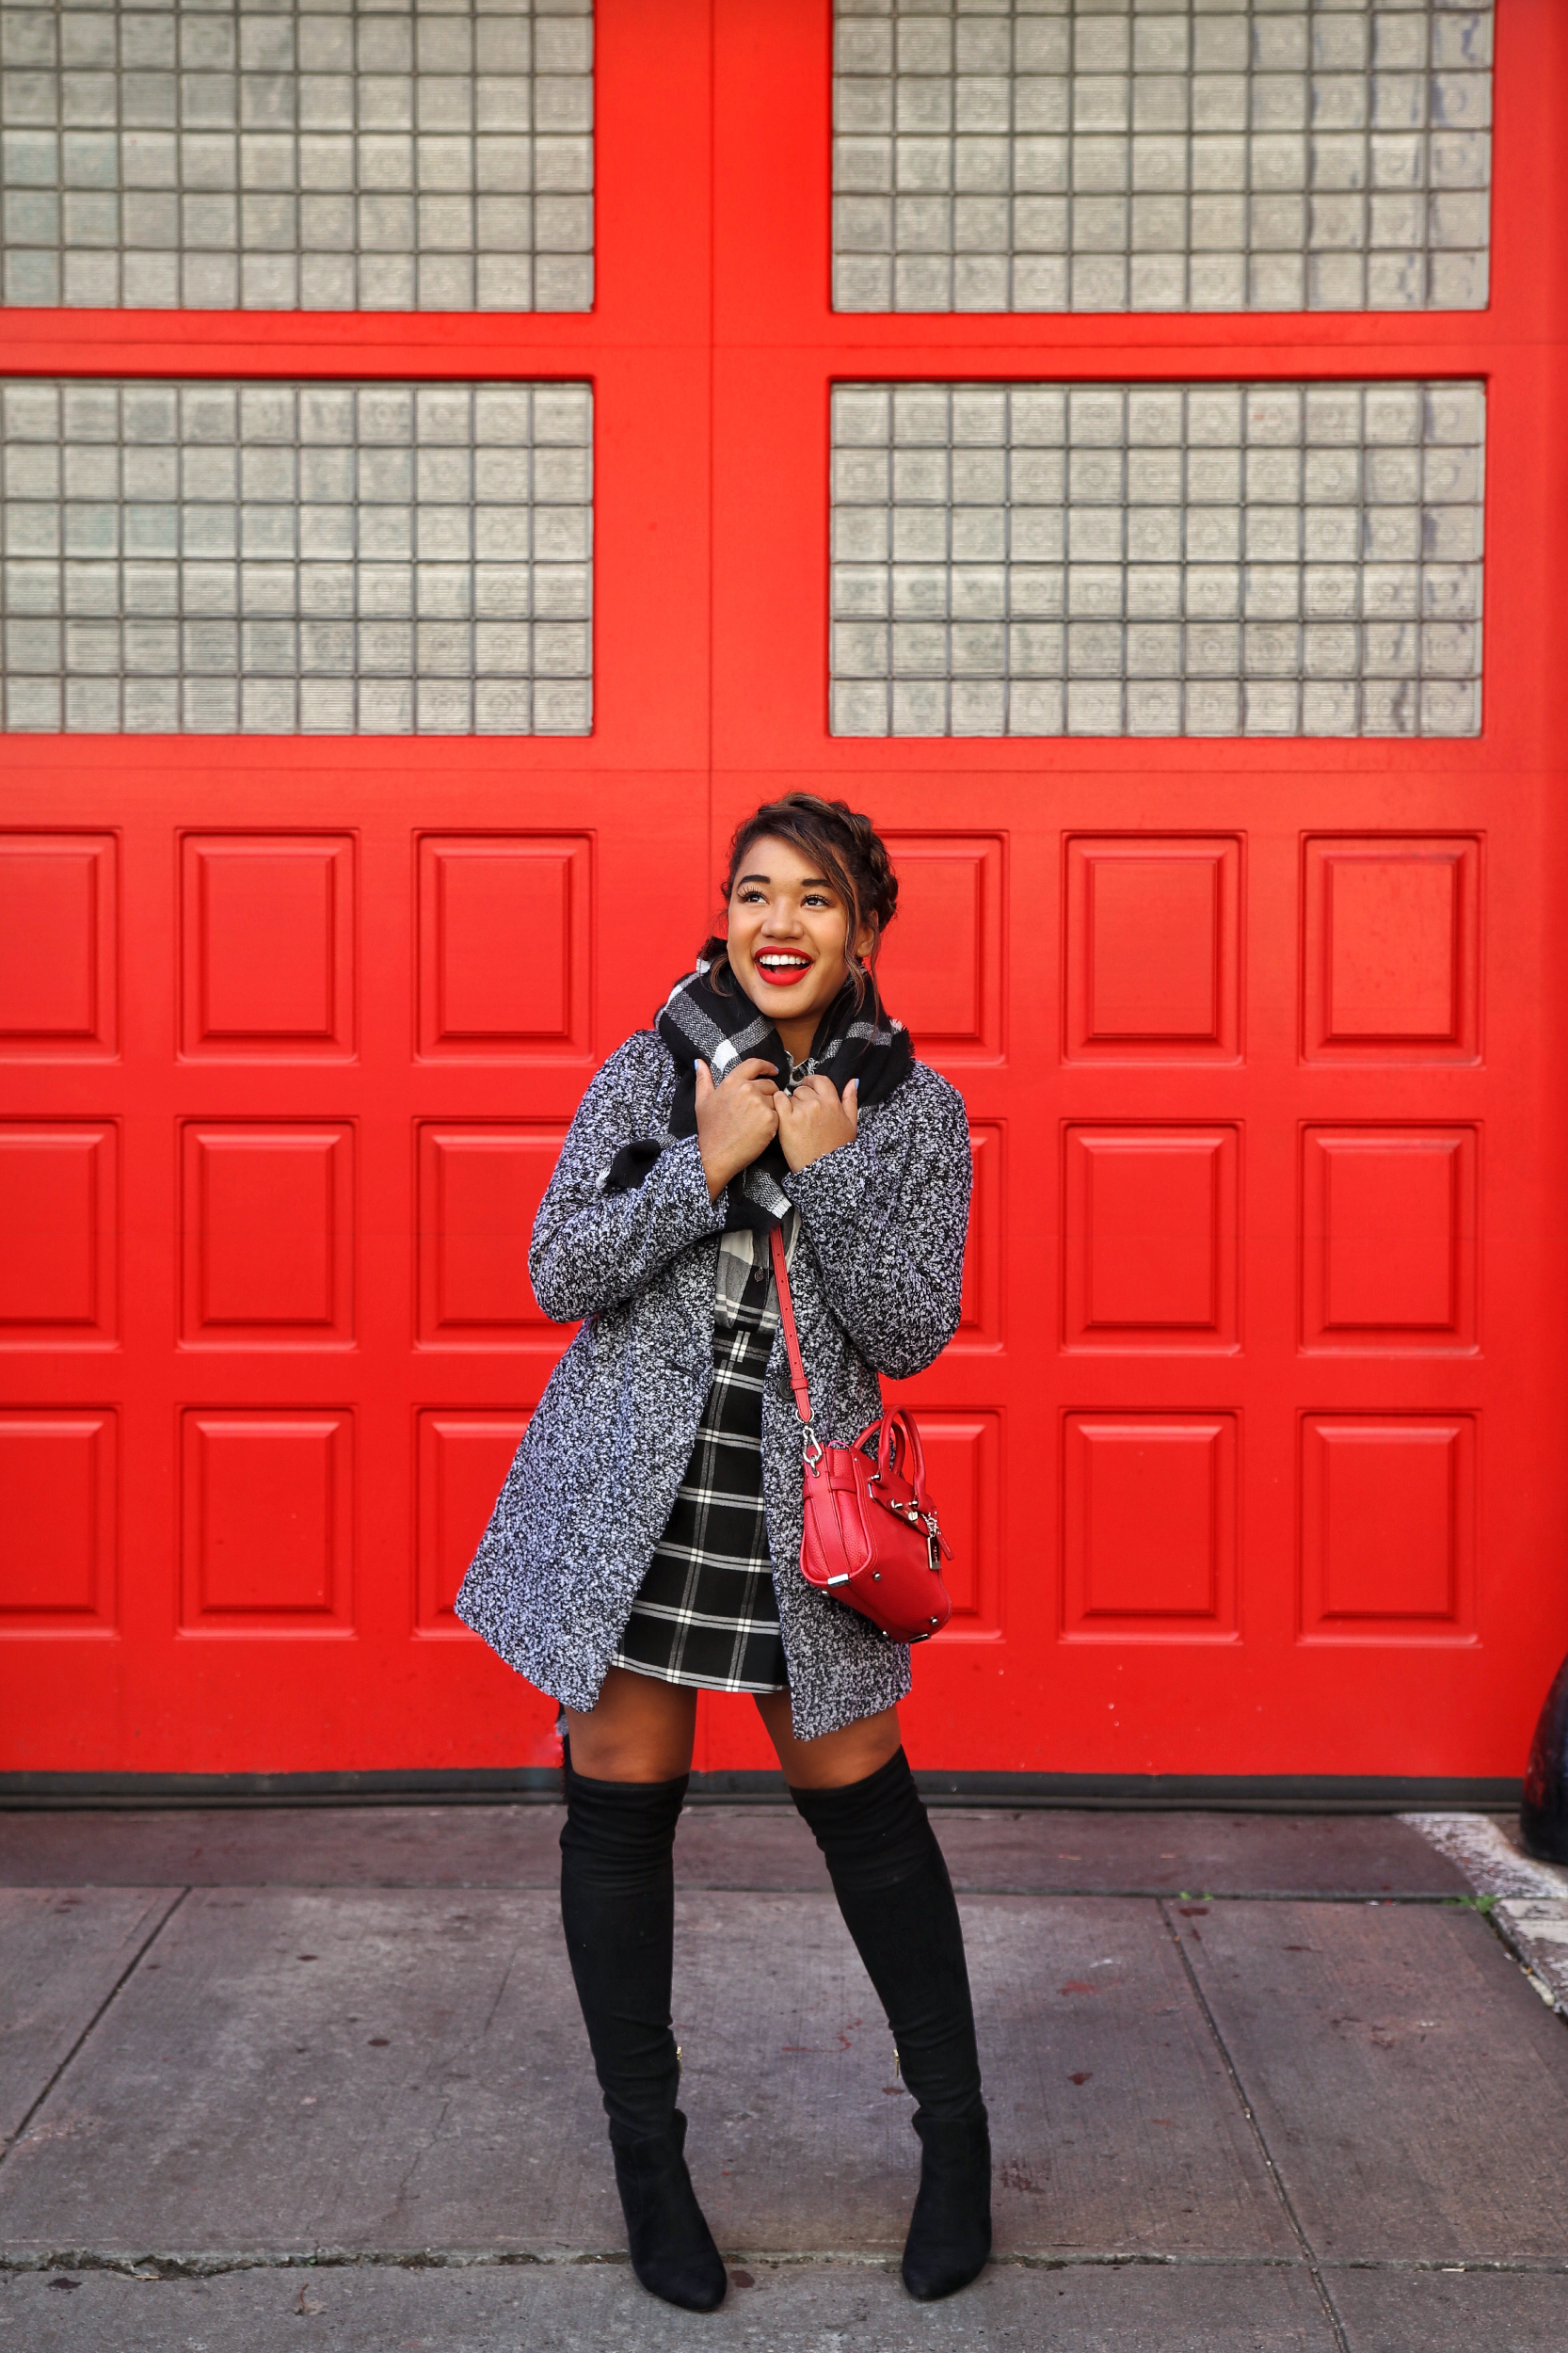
(897, 1900)
(617, 1908)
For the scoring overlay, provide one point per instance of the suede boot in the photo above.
(617, 1909)
(897, 1900)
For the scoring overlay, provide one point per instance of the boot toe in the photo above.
(950, 2230)
(672, 2248)
(696, 2282)
(932, 2272)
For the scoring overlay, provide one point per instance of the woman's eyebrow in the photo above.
(810, 882)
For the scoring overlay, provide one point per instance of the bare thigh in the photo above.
(638, 1729)
(834, 1759)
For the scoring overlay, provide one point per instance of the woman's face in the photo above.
(787, 932)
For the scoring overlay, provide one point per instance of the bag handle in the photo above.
(791, 1337)
(899, 1432)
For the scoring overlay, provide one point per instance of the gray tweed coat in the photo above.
(875, 1276)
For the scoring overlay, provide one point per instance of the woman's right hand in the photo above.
(735, 1122)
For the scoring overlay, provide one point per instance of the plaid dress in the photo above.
(705, 1614)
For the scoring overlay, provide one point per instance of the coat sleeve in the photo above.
(592, 1249)
(888, 1217)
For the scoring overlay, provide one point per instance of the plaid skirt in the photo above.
(705, 1614)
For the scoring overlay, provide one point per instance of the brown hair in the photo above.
(850, 853)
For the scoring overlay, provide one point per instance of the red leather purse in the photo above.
(870, 1537)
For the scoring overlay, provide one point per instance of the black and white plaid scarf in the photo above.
(701, 1023)
(853, 1041)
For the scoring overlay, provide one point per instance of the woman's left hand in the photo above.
(813, 1120)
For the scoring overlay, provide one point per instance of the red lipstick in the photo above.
(782, 976)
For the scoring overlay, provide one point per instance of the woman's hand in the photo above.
(736, 1121)
(813, 1120)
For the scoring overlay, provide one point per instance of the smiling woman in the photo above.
(802, 932)
(646, 1543)
(799, 917)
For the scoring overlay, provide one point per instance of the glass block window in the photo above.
(281, 558)
(1137, 559)
(1162, 155)
(297, 154)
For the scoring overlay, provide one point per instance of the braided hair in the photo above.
(849, 853)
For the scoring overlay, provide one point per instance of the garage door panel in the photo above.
(267, 1507)
(1153, 930)
(505, 948)
(269, 1227)
(269, 926)
(1388, 1527)
(1389, 1246)
(58, 1506)
(60, 1278)
(58, 957)
(1150, 1526)
(480, 1188)
(1152, 1236)
(1391, 936)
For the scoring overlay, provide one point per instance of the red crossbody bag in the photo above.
(871, 1536)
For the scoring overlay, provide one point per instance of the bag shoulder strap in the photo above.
(791, 1337)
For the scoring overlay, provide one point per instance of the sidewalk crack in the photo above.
(1309, 2254)
(126, 1973)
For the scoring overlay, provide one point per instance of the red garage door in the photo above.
(1238, 924)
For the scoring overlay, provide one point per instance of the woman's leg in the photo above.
(638, 1729)
(838, 1757)
(626, 1770)
(857, 1792)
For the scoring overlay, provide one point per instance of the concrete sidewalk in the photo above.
(315, 2077)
